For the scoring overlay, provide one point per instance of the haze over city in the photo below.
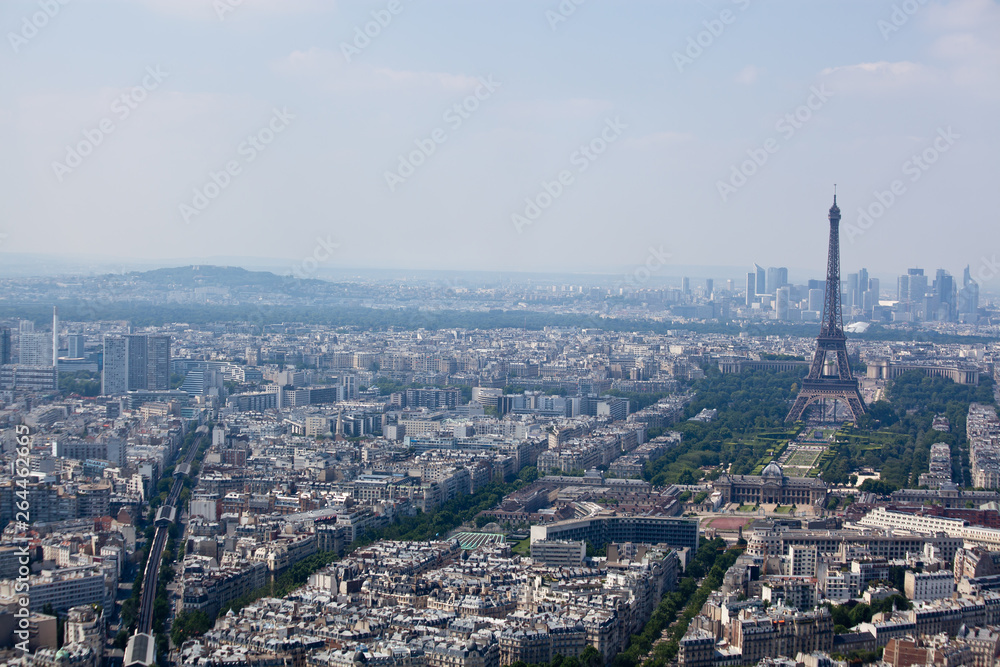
(713, 131)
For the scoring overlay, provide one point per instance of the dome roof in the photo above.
(772, 469)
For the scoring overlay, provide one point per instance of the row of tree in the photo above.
(292, 578)
(750, 421)
(711, 562)
(422, 527)
(846, 616)
(896, 434)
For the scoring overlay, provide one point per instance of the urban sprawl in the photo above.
(618, 487)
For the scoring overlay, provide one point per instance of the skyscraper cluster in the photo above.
(764, 286)
(862, 294)
(939, 301)
(919, 297)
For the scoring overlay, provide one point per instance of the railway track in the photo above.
(165, 517)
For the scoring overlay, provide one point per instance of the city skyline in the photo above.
(512, 334)
(698, 276)
(895, 108)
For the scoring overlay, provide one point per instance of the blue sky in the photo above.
(669, 136)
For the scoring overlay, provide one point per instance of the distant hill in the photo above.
(219, 276)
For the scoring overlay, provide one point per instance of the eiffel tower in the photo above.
(830, 373)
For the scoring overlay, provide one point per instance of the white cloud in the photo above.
(748, 75)
(969, 43)
(963, 15)
(973, 60)
(881, 77)
(329, 71)
(225, 10)
(881, 68)
(963, 52)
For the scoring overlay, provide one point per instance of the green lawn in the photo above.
(803, 459)
(747, 508)
(523, 547)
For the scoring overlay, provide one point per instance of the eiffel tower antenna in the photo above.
(816, 387)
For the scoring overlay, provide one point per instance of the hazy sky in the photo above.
(311, 116)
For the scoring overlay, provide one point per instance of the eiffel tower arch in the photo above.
(830, 374)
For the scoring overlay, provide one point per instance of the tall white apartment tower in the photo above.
(114, 379)
(34, 348)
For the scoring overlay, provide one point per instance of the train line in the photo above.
(166, 515)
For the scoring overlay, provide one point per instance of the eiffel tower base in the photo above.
(813, 391)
